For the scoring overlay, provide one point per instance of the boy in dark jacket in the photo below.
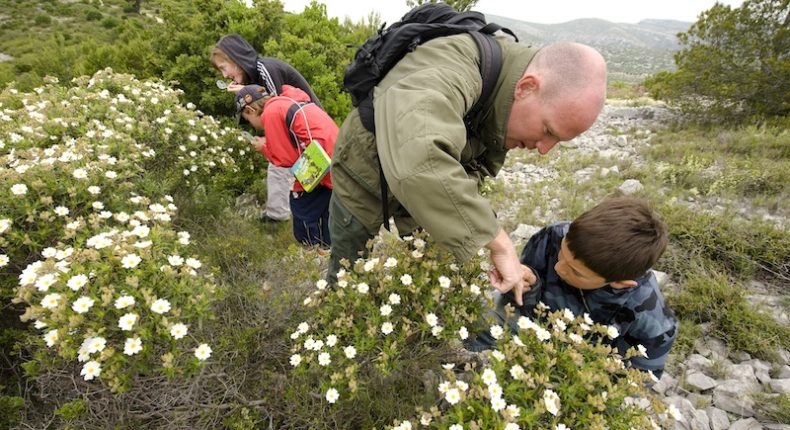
(236, 59)
(599, 265)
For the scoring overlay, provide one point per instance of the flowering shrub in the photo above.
(86, 235)
(558, 375)
(406, 293)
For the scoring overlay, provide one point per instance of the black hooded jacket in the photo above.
(267, 72)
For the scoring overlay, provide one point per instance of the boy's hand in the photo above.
(258, 142)
(529, 277)
(235, 88)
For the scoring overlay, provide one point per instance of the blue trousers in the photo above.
(311, 216)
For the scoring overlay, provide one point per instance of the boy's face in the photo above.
(253, 118)
(231, 70)
(574, 272)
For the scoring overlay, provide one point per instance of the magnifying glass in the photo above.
(222, 84)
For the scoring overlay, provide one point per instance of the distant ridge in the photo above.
(632, 51)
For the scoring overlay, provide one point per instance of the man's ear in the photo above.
(527, 84)
(623, 284)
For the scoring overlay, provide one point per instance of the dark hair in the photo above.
(619, 239)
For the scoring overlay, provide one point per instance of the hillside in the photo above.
(633, 51)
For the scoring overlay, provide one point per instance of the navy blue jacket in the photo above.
(639, 313)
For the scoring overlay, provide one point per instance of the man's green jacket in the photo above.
(432, 169)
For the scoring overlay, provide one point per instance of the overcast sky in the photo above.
(544, 11)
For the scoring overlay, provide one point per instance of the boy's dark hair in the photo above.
(619, 239)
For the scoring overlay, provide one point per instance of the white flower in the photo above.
(525, 323)
(426, 419)
(474, 289)
(394, 299)
(77, 281)
(324, 359)
(124, 301)
(542, 334)
(513, 410)
(584, 327)
(496, 331)
(416, 254)
(552, 402)
(406, 279)
(568, 315)
(93, 189)
(183, 237)
(61, 211)
(561, 427)
(178, 330)
(5, 223)
(303, 327)
(79, 173)
(94, 344)
(642, 350)
(332, 395)
(161, 306)
(587, 319)
(674, 413)
(497, 404)
(19, 189)
(295, 360)
(489, 377)
(444, 282)
(43, 283)
(97, 205)
(130, 261)
(385, 310)
(575, 338)
(175, 260)
(419, 243)
(452, 396)
(132, 346)
(463, 386)
(437, 330)
(498, 355)
(350, 351)
(51, 337)
(387, 328)
(370, 264)
(463, 333)
(456, 427)
(495, 391)
(127, 321)
(49, 252)
(363, 288)
(559, 325)
(82, 305)
(203, 352)
(612, 331)
(110, 174)
(390, 263)
(91, 370)
(431, 319)
(321, 284)
(516, 371)
(331, 340)
(512, 426)
(39, 324)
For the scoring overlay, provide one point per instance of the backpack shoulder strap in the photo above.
(289, 121)
(490, 66)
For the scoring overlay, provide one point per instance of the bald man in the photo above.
(433, 168)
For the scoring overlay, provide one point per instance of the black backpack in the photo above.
(383, 50)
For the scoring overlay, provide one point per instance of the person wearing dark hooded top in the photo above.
(237, 60)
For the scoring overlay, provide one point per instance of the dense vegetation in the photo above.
(117, 186)
(734, 64)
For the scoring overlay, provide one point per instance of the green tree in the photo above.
(459, 5)
(734, 65)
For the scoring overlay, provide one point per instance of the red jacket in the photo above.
(279, 148)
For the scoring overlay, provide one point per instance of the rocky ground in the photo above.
(714, 388)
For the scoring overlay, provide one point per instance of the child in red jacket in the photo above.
(285, 142)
